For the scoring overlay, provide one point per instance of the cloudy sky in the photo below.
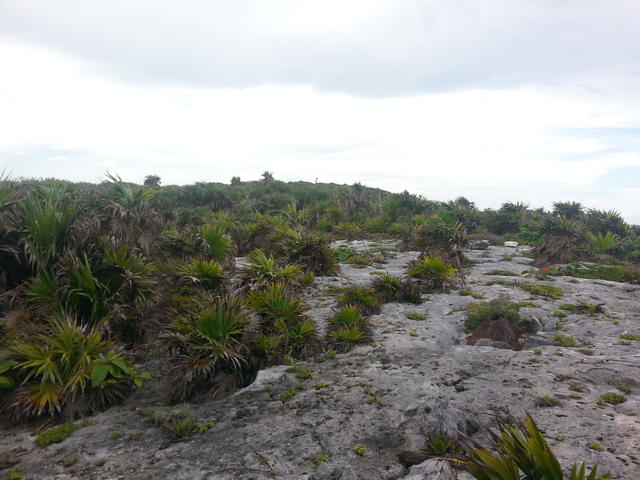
(495, 100)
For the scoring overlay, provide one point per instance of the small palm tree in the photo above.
(602, 242)
(45, 219)
(263, 270)
(520, 452)
(72, 371)
(211, 349)
(434, 271)
(128, 214)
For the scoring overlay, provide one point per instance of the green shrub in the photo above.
(361, 297)
(206, 273)
(520, 452)
(263, 270)
(352, 334)
(434, 271)
(602, 242)
(55, 435)
(612, 398)
(502, 307)
(209, 347)
(348, 316)
(415, 316)
(74, 370)
(217, 243)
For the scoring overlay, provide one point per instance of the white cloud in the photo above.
(77, 114)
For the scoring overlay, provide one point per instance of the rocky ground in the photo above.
(387, 397)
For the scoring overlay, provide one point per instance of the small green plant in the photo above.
(115, 435)
(586, 308)
(68, 462)
(15, 473)
(537, 351)
(505, 273)
(623, 387)
(292, 392)
(564, 340)
(548, 291)
(559, 314)
(612, 398)
(546, 401)
(439, 444)
(319, 459)
(303, 373)
(467, 292)
(135, 435)
(597, 446)
(359, 449)
(415, 316)
(577, 387)
(55, 435)
(320, 385)
(330, 354)
(414, 334)
(629, 336)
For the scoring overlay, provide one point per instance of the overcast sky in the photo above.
(495, 100)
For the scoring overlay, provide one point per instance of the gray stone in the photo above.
(487, 342)
(479, 244)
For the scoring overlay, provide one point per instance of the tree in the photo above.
(152, 181)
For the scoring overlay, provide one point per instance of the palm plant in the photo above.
(263, 270)
(45, 220)
(520, 452)
(130, 218)
(283, 315)
(360, 297)
(602, 242)
(348, 316)
(388, 287)
(434, 271)
(217, 243)
(444, 233)
(311, 252)
(276, 302)
(72, 371)
(568, 210)
(211, 349)
(207, 274)
(347, 325)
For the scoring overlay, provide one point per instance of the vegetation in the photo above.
(55, 435)
(95, 274)
(433, 272)
(502, 307)
(520, 451)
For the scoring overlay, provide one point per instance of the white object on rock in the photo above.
(511, 244)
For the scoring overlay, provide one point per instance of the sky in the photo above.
(494, 100)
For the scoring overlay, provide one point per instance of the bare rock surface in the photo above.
(415, 377)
